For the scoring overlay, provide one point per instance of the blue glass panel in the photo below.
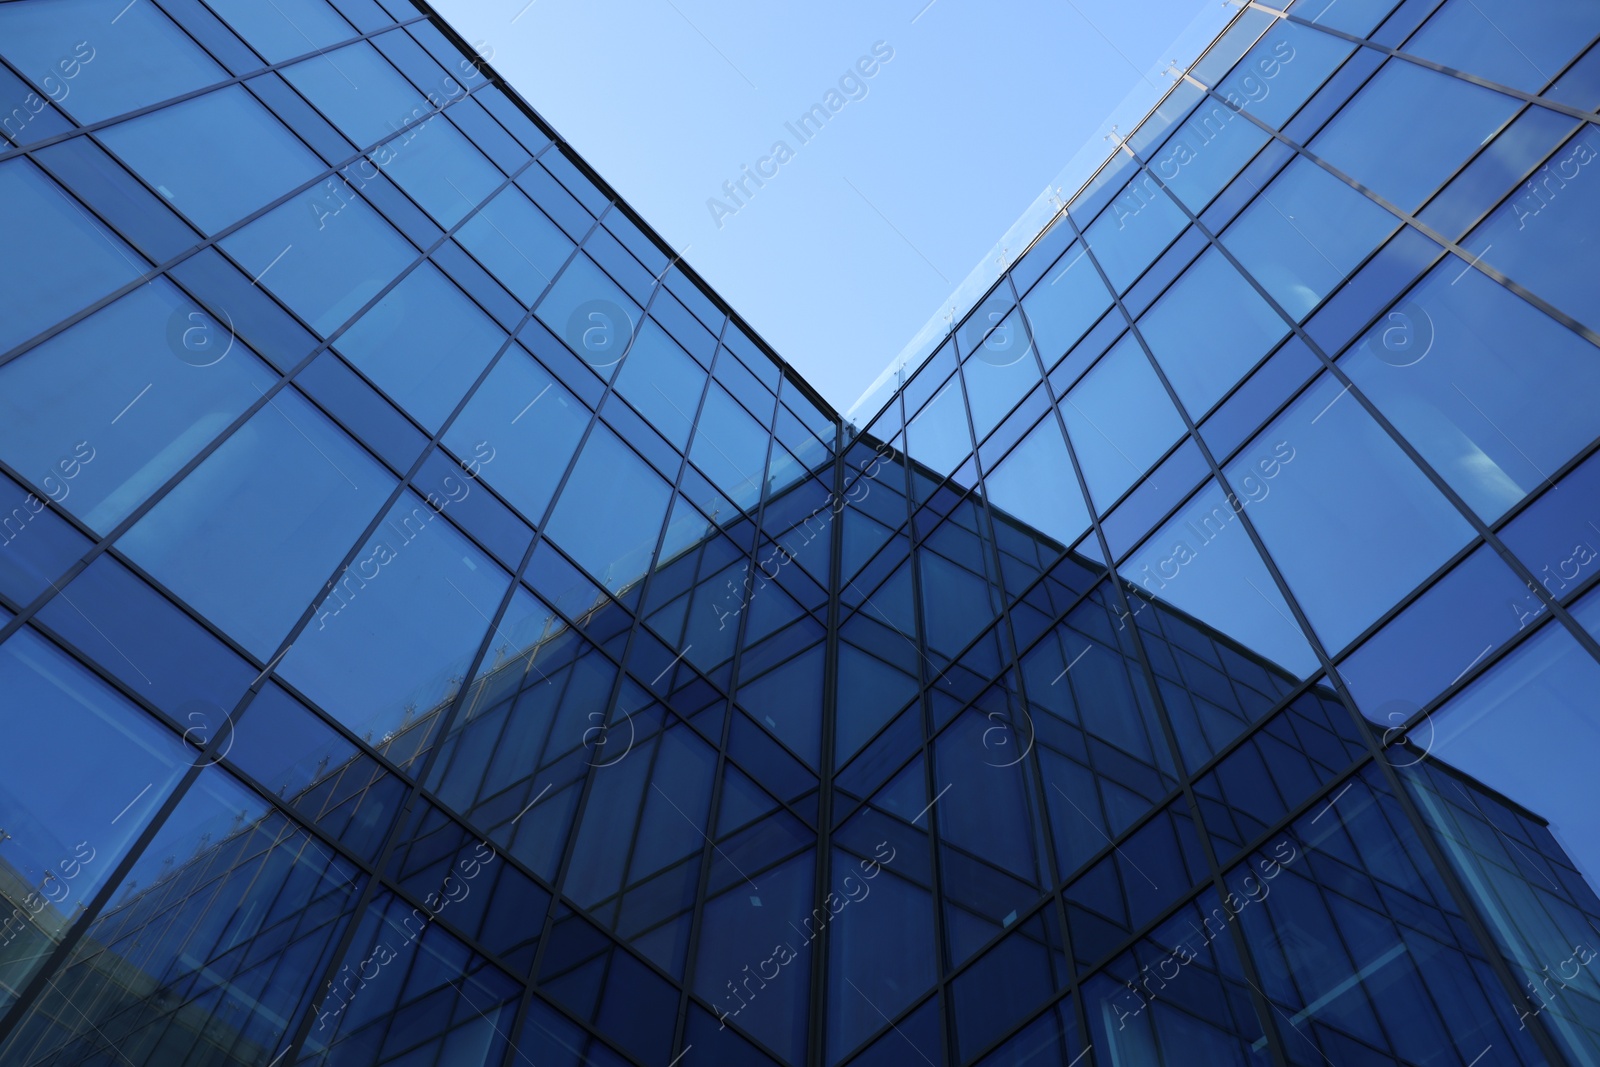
(36, 545)
(1203, 563)
(72, 261)
(1405, 163)
(394, 637)
(1352, 523)
(1304, 233)
(217, 157)
(1121, 421)
(611, 511)
(251, 500)
(424, 344)
(132, 59)
(938, 435)
(131, 209)
(587, 310)
(1551, 222)
(1464, 369)
(68, 825)
(1282, 71)
(338, 254)
(517, 242)
(662, 381)
(1129, 234)
(1000, 373)
(731, 448)
(1438, 640)
(100, 416)
(440, 168)
(530, 425)
(283, 29)
(359, 91)
(1523, 45)
(1558, 537)
(1200, 158)
(1036, 484)
(1351, 16)
(1208, 330)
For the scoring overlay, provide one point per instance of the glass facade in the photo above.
(435, 630)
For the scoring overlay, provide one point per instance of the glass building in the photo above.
(436, 630)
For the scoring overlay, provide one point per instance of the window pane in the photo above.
(1352, 523)
(424, 344)
(392, 641)
(1523, 44)
(731, 448)
(135, 56)
(610, 512)
(1064, 304)
(440, 168)
(1138, 224)
(1283, 70)
(217, 157)
(1404, 162)
(1304, 234)
(938, 436)
(1464, 368)
(517, 242)
(338, 253)
(1036, 484)
(1203, 563)
(251, 536)
(999, 373)
(283, 29)
(662, 381)
(1210, 148)
(587, 310)
(70, 821)
(359, 91)
(1208, 330)
(1120, 420)
(1552, 222)
(531, 426)
(101, 415)
(72, 260)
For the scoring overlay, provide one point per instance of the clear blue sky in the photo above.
(855, 243)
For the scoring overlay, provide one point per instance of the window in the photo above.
(1304, 234)
(610, 512)
(254, 533)
(283, 29)
(1120, 420)
(424, 344)
(216, 158)
(102, 58)
(70, 261)
(100, 416)
(1351, 522)
(517, 242)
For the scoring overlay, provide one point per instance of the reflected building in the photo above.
(435, 629)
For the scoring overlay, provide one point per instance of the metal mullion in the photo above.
(1332, 367)
(1397, 53)
(1051, 883)
(447, 718)
(1314, 641)
(1252, 976)
(215, 239)
(238, 79)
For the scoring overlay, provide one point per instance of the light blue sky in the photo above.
(856, 242)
